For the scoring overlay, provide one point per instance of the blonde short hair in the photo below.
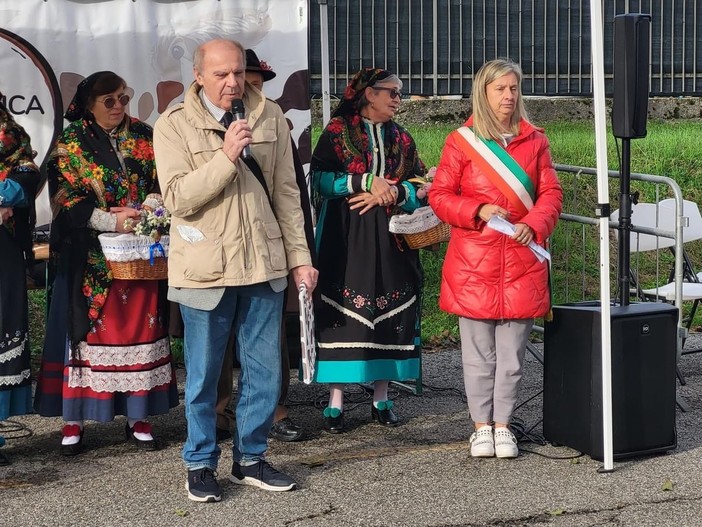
(485, 121)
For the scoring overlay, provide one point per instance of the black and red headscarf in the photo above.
(344, 146)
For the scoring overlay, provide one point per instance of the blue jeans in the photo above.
(254, 312)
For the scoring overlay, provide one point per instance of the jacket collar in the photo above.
(199, 116)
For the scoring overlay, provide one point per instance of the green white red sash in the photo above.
(500, 168)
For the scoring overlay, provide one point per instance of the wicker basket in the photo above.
(420, 229)
(439, 233)
(140, 269)
(129, 256)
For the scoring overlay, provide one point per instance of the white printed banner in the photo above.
(48, 46)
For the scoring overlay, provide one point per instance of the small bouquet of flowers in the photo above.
(154, 221)
(141, 254)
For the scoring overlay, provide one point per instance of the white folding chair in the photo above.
(692, 230)
(662, 216)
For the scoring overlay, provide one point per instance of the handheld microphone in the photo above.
(239, 113)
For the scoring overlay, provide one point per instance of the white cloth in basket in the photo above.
(127, 247)
(420, 220)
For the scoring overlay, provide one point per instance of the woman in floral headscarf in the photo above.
(107, 350)
(19, 178)
(370, 280)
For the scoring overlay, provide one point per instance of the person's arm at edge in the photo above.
(286, 199)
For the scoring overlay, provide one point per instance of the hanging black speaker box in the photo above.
(631, 75)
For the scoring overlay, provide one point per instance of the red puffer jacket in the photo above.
(487, 275)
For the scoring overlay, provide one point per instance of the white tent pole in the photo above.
(600, 113)
(324, 36)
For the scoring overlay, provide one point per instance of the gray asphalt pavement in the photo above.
(419, 474)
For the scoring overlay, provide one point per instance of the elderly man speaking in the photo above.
(237, 230)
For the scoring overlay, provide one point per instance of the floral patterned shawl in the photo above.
(17, 163)
(344, 145)
(15, 150)
(85, 173)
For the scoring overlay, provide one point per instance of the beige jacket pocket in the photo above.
(263, 144)
(205, 262)
(276, 248)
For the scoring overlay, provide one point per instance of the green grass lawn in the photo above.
(670, 149)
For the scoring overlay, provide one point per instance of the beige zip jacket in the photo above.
(223, 231)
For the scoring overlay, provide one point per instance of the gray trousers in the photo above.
(493, 354)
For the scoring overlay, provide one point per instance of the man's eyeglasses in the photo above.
(110, 102)
(394, 92)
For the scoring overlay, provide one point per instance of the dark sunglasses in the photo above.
(110, 102)
(394, 93)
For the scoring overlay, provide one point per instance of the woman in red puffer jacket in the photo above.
(497, 167)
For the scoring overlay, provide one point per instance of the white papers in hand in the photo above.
(505, 227)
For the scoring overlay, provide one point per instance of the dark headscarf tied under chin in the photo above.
(363, 79)
(78, 109)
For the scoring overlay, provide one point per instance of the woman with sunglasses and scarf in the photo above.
(19, 178)
(370, 281)
(107, 350)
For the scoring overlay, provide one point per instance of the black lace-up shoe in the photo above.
(202, 485)
(285, 430)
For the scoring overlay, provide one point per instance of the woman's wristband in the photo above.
(369, 182)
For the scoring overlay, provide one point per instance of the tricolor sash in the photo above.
(500, 168)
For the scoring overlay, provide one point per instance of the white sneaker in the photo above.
(505, 443)
(481, 442)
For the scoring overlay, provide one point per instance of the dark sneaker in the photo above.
(263, 476)
(202, 485)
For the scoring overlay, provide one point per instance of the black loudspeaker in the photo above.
(631, 75)
(643, 378)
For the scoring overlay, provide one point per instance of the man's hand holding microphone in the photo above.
(238, 136)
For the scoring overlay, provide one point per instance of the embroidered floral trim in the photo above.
(102, 381)
(387, 300)
(11, 380)
(12, 353)
(124, 355)
(124, 294)
(360, 318)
